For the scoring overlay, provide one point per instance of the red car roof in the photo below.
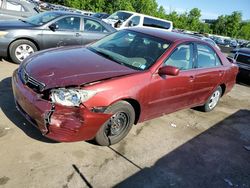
(167, 35)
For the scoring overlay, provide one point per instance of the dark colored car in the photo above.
(20, 38)
(242, 58)
(98, 92)
(101, 15)
(15, 9)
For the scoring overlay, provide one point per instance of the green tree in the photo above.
(193, 19)
(219, 26)
(233, 24)
(244, 32)
(161, 13)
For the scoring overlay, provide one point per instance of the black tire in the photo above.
(207, 106)
(14, 45)
(123, 111)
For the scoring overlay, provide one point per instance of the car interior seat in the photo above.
(204, 61)
(180, 58)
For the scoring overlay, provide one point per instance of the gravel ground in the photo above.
(183, 149)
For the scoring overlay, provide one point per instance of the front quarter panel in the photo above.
(127, 87)
(33, 35)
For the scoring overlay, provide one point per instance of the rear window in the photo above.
(243, 59)
(150, 22)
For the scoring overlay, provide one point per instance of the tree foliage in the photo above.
(227, 25)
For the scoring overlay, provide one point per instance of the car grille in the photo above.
(30, 82)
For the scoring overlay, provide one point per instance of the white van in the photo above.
(125, 19)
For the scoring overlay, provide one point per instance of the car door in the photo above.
(208, 72)
(170, 93)
(65, 32)
(92, 31)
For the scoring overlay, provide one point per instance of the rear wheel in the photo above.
(118, 126)
(21, 49)
(213, 100)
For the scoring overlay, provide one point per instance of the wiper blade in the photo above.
(23, 20)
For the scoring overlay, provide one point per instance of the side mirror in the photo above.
(169, 70)
(53, 27)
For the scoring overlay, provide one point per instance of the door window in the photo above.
(182, 57)
(93, 26)
(207, 57)
(14, 6)
(69, 23)
(150, 22)
(134, 21)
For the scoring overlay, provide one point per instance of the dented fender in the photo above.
(67, 124)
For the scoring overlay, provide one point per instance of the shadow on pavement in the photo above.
(8, 107)
(218, 157)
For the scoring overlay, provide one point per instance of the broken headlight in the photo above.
(70, 97)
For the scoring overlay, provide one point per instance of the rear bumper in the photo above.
(60, 123)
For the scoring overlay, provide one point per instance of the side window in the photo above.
(182, 57)
(93, 26)
(134, 21)
(69, 23)
(150, 22)
(207, 57)
(14, 6)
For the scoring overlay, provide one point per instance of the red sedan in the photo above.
(99, 91)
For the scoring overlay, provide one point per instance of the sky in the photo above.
(210, 9)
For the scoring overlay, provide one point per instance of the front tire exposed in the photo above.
(118, 126)
(212, 100)
(20, 49)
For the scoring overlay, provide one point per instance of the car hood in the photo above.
(15, 24)
(71, 66)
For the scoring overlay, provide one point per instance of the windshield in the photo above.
(42, 18)
(132, 49)
(123, 16)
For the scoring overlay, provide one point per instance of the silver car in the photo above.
(16, 9)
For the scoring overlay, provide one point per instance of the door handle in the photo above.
(78, 35)
(220, 73)
(191, 78)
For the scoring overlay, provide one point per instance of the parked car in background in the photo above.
(125, 19)
(219, 41)
(242, 57)
(101, 15)
(16, 9)
(233, 44)
(20, 38)
(210, 41)
(98, 92)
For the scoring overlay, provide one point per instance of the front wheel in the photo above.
(213, 100)
(118, 126)
(21, 49)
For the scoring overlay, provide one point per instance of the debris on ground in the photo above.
(173, 125)
(228, 182)
(247, 148)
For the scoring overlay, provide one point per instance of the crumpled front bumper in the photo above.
(60, 123)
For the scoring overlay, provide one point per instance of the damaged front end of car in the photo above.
(59, 113)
